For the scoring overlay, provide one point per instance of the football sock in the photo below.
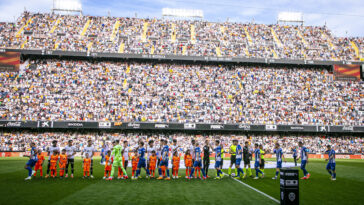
(239, 170)
(203, 172)
(112, 171)
(29, 171)
(192, 170)
(250, 171)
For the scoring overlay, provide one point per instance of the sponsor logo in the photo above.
(217, 127)
(105, 124)
(290, 174)
(190, 126)
(271, 127)
(342, 156)
(161, 126)
(13, 124)
(244, 127)
(291, 196)
(348, 128)
(291, 182)
(282, 195)
(297, 128)
(75, 124)
(44, 124)
(118, 123)
(322, 128)
(134, 125)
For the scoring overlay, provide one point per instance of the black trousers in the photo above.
(92, 166)
(49, 165)
(126, 164)
(206, 164)
(72, 163)
(295, 160)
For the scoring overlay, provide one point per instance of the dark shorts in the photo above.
(217, 164)
(331, 166)
(238, 162)
(70, 161)
(141, 163)
(197, 164)
(246, 162)
(261, 165)
(31, 163)
(164, 163)
(232, 159)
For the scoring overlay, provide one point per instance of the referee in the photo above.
(232, 152)
(262, 153)
(247, 157)
(206, 157)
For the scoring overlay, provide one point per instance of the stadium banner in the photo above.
(76, 125)
(346, 129)
(58, 53)
(18, 124)
(347, 72)
(9, 61)
(299, 128)
(178, 126)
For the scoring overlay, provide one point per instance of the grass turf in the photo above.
(317, 190)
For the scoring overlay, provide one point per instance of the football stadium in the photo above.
(163, 102)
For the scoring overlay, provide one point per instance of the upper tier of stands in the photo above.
(176, 37)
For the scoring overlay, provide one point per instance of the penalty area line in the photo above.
(250, 187)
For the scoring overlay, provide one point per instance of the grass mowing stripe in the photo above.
(260, 192)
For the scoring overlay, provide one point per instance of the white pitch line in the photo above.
(264, 194)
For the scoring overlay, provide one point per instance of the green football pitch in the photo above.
(319, 189)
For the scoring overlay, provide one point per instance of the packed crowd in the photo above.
(20, 141)
(136, 92)
(178, 37)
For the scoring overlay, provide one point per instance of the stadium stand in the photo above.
(144, 92)
(178, 37)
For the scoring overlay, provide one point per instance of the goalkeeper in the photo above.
(117, 162)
